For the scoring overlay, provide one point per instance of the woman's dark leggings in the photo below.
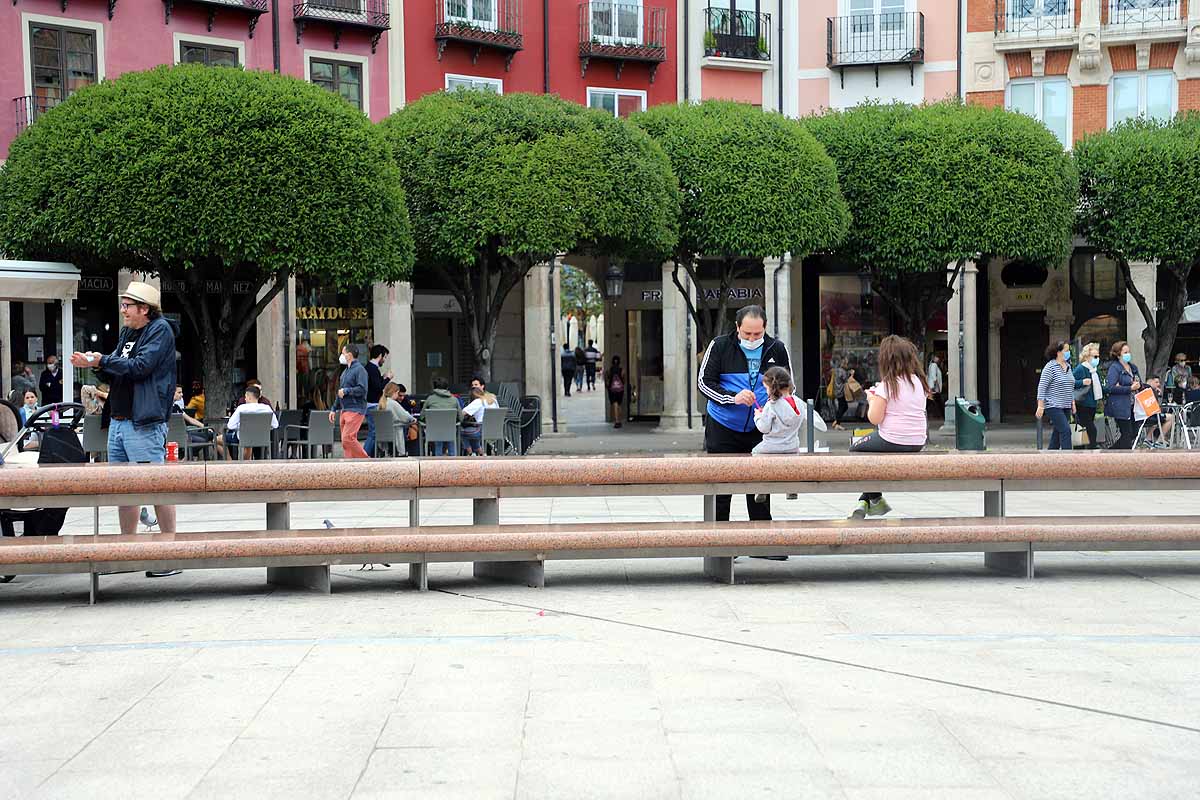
(874, 443)
(1086, 417)
(1125, 442)
(1060, 439)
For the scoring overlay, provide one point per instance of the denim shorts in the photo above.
(138, 444)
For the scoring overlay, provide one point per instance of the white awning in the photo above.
(33, 281)
(1191, 313)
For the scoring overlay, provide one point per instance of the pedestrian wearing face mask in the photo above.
(1124, 381)
(352, 400)
(731, 378)
(1056, 394)
(51, 382)
(1089, 391)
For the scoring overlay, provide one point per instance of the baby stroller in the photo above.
(57, 427)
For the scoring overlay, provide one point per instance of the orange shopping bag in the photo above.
(1148, 402)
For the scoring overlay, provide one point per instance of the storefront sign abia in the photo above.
(330, 313)
(735, 293)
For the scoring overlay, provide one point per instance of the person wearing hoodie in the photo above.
(441, 398)
(141, 378)
(731, 378)
(352, 400)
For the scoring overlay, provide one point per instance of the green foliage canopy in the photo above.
(753, 184)
(181, 166)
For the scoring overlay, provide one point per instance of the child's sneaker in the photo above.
(860, 510)
(761, 498)
(878, 508)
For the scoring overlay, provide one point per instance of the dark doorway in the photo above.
(1023, 340)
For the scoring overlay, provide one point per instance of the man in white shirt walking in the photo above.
(934, 376)
(253, 405)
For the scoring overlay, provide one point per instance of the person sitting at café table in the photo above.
(251, 405)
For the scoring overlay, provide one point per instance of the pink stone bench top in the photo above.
(585, 537)
(1074, 470)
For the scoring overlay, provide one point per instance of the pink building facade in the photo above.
(49, 48)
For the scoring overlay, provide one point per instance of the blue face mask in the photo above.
(1067, 354)
(1095, 362)
(1127, 357)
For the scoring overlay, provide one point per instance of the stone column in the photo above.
(392, 313)
(6, 350)
(271, 356)
(1145, 278)
(970, 332)
(994, 326)
(679, 374)
(777, 297)
(538, 343)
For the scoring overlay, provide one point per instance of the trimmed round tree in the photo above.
(752, 184)
(221, 182)
(498, 183)
(1139, 202)
(933, 187)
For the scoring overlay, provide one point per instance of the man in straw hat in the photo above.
(141, 377)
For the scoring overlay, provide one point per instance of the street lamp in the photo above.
(614, 280)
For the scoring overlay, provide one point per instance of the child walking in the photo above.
(780, 419)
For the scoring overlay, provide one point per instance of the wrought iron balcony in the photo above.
(622, 32)
(875, 40)
(494, 24)
(1034, 19)
(28, 108)
(737, 34)
(1144, 15)
(367, 15)
(253, 8)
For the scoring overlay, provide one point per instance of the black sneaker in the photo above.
(166, 573)
(771, 558)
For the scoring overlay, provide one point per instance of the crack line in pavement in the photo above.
(835, 661)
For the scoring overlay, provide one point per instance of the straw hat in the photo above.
(143, 293)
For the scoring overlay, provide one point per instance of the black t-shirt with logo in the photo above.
(120, 392)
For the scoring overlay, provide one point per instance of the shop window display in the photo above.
(327, 319)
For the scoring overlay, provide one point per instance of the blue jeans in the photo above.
(444, 448)
(137, 444)
(1060, 439)
(369, 446)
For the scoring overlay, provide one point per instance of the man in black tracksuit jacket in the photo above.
(731, 379)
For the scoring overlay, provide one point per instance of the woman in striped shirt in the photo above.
(1056, 394)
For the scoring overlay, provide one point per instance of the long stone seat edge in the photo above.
(443, 473)
(494, 539)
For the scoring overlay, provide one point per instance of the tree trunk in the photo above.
(481, 290)
(221, 320)
(1159, 337)
(916, 299)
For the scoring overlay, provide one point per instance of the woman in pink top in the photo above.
(896, 406)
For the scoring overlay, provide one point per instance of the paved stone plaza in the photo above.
(855, 677)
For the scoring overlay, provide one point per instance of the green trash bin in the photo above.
(970, 428)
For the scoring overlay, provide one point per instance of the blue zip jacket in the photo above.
(151, 370)
(1119, 404)
(724, 372)
(354, 381)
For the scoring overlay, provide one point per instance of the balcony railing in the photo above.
(28, 108)
(874, 40)
(737, 34)
(254, 8)
(1034, 19)
(369, 15)
(622, 32)
(494, 24)
(1144, 14)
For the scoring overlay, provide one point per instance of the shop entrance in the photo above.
(645, 394)
(327, 319)
(1023, 340)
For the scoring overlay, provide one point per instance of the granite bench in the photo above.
(487, 481)
(302, 558)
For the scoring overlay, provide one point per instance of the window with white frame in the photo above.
(454, 82)
(340, 77)
(63, 60)
(1047, 100)
(1141, 94)
(481, 13)
(618, 102)
(617, 21)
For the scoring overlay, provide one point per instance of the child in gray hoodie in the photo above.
(781, 418)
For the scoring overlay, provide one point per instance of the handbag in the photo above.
(829, 390)
(1079, 437)
(852, 390)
